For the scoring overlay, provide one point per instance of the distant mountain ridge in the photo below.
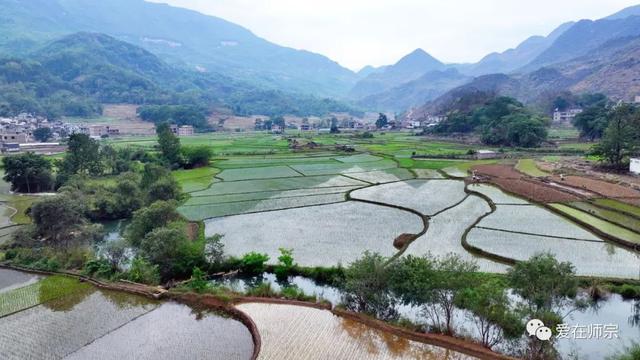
(177, 35)
(409, 68)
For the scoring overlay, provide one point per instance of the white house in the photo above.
(565, 116)
(486, 154)
(637, 99)
(634, 167)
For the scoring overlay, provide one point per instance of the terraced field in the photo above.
(330, 209)
(302, 333)
(81, 322)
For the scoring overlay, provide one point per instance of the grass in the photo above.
(609, 215)
(602, 225)
(529, 167)
(618, 205)
(50, 288)
(21, 204)
(195, 179)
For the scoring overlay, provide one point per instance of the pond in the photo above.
(97, 324)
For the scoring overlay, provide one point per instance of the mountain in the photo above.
(73, 75)
(368, 70)
(513, 59)
(408, 68)
(625, 13)
(583, 37)
(177, 35)
(612, 69)
(413, 93)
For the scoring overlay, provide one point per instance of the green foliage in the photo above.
(382, 121)
(28, 172)
(68, 227)
(214, 250)
(262, 289)
(169, 144)
(490, 306)
(43, 134)
(293, 292)
(367, 286)
(544, 283)
(628, 291)
(100, 268)
(285, 263)
(434, 284)
(193, 115)
(82, 157)
(169, 248)
(198, 281)
(632, 352)
(145, 220)
(142, 271)
(622, 136)
(164, 189)
(196, 156)
(593, 121)
(254, 263)
(500, 121)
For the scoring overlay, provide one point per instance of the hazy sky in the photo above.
(361, 32)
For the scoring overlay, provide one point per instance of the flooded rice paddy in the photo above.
(324, 235)
(301, 333)
(97, 324)
(427, 197)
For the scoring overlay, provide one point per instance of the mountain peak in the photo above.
(418, 58)
(625, 13)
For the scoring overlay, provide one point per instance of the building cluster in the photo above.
(565, 117)
(426, 122)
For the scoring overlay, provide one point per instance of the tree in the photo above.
(196, 156)
(433, 284)
(592, 121)
(214, 249)
(165, 189)
(68, 226)
(169, 144)
(382, 121)
(367, 287)
(622, 137)
(145, 220)
(285, 264)
(543, 283)
(151, 173)
(163, 246)
(28, 172)
(83, 156)
(253, 263)
(43, 134)
(490, 311)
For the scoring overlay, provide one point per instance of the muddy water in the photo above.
(97, 324)
(302, 333)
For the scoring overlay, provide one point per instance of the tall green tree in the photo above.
(28, 172)
(382, 121)
(145, 220)
(622, 137)
(367, 287)
(43, 134)
(169, 144)
(83, 156)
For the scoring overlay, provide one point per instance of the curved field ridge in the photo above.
(599, 224)
(282, 184)
(496, 195)
(427, 197)
(590, 258)
(301, 333)
(383, 176)
(534, 220)
(445, 233)
(207, 211)
(324, 235)
(258, 173)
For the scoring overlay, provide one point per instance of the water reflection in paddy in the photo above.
(96, 324)
(11, 279)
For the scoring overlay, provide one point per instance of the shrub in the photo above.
(254, 263)
(285, 264)
(198, 281)
(144, 272)
(628, 291)
(262, 290)
(295, 293)
(100, 268)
